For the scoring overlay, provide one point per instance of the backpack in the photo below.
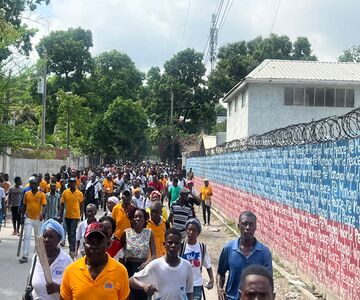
(90, 193)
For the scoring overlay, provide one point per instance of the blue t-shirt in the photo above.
(232, 260)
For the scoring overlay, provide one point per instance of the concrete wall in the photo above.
(307, 199)
(24, 167)
(265, 111)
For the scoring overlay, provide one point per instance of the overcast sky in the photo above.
(151, 31)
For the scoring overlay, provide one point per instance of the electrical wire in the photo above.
(185, 25)
(225, 14)
(276, 12)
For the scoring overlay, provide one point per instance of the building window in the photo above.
(243, 99)
(329, 97)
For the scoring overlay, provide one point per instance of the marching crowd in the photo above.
(143, 245)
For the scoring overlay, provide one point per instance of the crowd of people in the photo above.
(132, 233)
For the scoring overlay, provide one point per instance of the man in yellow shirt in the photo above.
(71, 198)
(108, 185)
(123, 213)
(96, 275)
(205, 194)
(34, 206)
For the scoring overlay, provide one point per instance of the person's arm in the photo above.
(210, 283)
(220, 282)
(123, 239)
(137, 284)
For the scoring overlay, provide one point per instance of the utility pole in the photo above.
(213, 41)
(44, 91)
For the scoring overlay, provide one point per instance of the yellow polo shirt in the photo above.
(34, 203)
(111, 284)
(159, 236)
(72, 202)
(43, 185)
(108, 186)
(205, 191)
(121, 219)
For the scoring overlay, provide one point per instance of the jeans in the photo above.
(71, 225)
(198, 292)
(205, 209)
(28, 225)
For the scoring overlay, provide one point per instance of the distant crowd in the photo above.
(132, 233)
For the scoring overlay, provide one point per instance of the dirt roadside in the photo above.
(215, 236)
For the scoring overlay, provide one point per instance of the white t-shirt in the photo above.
(57, 269)
(97, 187)
(192, 254)
(80, 232)
(141, 202)
(172, 283)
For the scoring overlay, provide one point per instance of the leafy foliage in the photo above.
(237, 59)
(350, 55)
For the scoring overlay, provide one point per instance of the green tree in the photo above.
(17, 34)
(238, 59)
(67, 53)
(74, 113)
(114, 75)
(351, 54)
(121, 132)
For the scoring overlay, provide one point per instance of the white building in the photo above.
(282, 92)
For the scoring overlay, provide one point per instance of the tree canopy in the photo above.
(351, 54)
(236, 60)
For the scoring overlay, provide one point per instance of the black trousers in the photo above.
(15, 217)
(132, 268)
(206, 210)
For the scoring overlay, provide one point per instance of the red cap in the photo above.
(96, 227)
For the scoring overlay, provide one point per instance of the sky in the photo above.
(151, 31)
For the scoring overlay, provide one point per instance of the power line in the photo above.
(185, 25)
(276, 12)
(226, 12)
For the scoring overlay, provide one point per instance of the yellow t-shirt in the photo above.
(43, 185)
(205, 192)
(164, 212)
(159, 236)
(34, 203)
(72, 201)
(108, 186)
(121, 220)
(112, 283)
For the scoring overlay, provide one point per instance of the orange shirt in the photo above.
(108, 186)
(78, 182)
(72, 202)
(206, 192)
(43, 185)
(111, 284)
(121, 219)
(159, 236)
(34, 203)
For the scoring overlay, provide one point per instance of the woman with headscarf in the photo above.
(52, 232)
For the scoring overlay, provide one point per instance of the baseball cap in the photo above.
(114, 199)
(72, 179)
(205, 179)
(96, 227)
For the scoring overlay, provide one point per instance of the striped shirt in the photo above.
(52, 205)
(181, 214)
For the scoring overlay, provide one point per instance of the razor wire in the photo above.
(328, 129)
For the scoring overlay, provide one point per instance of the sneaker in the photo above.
(23, 260)
(14, 233)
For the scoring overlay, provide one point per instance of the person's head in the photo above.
(111, 202)
(156, 211)
(140, 219)
(247, 225)
(190, 169)
(53, 233)
(175, 182)
(190, 184)
(126, 196)
(83, 179)
(17, 181)
(90, 211)
(72, 183)
(109, 224)
(184, 195)
(193, 229)
(47, 177)
(6, 177)
(155, 196)
(137, 192)
(93, 177)
(155, 178)
(96, 243)
(52, 187)
(33, 183)
(256, 283)
(39, 176)
(62, 183)
(172, 242)
(206, 182)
